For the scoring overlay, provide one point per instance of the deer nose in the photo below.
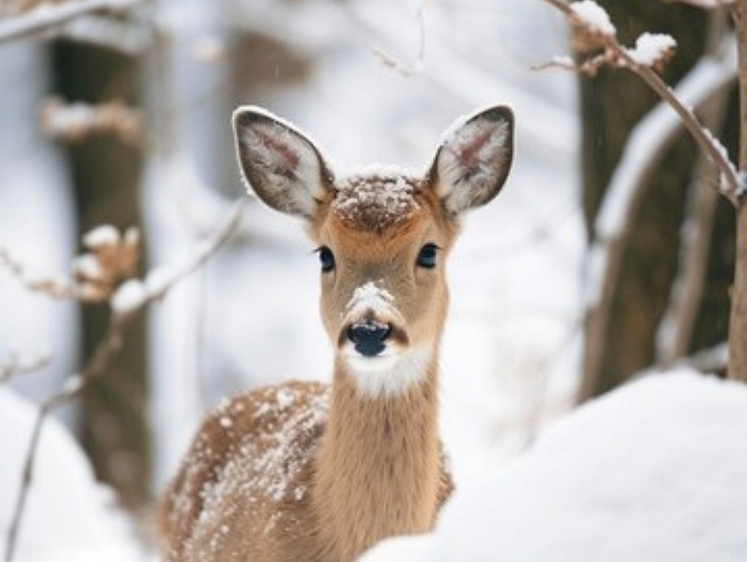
(369, 337)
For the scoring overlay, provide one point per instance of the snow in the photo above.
(707, 3)
(68, 515)
(652, 48)
(594, 17)
(370, 296)
(89, 267)
(129, 296)
(69, 120)
(380, 199)
(656, 470)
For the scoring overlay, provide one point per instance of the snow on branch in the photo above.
(95, 274)
(74, 122)
(129, 299)
(128, 35)
(596, 41)
(653, 49)
(647, 141)
(707, 4)
(17, 364)
(44, 17)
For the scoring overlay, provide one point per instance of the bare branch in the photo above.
(647, 141)
(675, 331)
(593, 36)
(45, 16)
(122, 316)
(110, 259)
(57, 287)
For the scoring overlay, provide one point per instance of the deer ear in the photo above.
(473, 161)
(281, 165)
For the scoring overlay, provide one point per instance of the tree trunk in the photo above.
(738, 321)
(612, 103)
(113, 423)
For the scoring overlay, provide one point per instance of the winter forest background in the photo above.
(116, 112)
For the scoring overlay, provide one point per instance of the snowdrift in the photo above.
(68, 515)
(654, 471)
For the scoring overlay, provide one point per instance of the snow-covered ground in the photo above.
(656, 470)
(68, 516)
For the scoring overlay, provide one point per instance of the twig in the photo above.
(21, 365)
(612, 228)
(45, 17)
(122, 316)
(58, 287)
(674, 335)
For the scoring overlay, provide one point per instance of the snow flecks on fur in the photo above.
(370, 297)
(251, 461)
(377, 200)
(272, 470)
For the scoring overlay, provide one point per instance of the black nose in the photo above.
(369, 337)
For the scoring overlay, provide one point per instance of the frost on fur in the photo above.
(280, 163)
(472, 164)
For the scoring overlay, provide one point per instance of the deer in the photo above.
(317, 472)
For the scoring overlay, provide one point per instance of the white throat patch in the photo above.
(388, 375)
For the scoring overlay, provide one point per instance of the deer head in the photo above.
(382, 236)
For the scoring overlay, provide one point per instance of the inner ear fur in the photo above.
(281, 165)
(474, 159)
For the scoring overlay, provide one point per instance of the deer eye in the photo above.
(427, 256)
(326, 259)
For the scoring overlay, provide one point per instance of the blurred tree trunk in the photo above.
(738, 322)
(106, 177)
(611, 104)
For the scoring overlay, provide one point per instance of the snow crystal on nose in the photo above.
(377, 200)
(370, 296)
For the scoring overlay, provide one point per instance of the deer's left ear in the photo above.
(473, 162)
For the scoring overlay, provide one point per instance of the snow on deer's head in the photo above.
(382, 236)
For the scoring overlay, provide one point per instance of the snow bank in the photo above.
(656, 470)
(68, 515)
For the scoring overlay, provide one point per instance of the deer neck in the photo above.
(379, 464)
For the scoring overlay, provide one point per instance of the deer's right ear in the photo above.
(281, 165)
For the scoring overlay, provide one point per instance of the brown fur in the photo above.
(353, 469)
(341, 488)
(305, 472)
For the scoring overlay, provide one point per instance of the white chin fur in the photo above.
(391, 374)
